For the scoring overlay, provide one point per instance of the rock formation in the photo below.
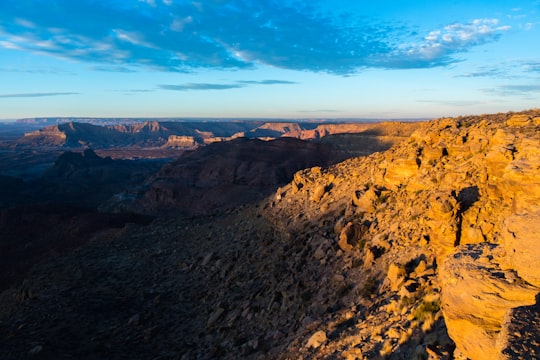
(224, 175)
(193, 134)
(425, 251)
(462, 194)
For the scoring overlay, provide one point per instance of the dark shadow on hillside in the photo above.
(523, 327)
(32, 233)
(345, 146)
(222, 176)
(81, 179)
(56, 211)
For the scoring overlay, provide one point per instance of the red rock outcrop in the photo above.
(164, 133)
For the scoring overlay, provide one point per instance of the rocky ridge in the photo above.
(224, 175)
(425, 251)
(460, 198)
(189, 135)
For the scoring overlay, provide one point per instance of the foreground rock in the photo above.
(478, 297)
(461, 196)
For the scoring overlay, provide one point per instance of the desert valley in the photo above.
(164, 239)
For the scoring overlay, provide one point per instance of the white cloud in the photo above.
(25, 23)
(233, 34)
(26, 95)
(9, 45)
(459, 37)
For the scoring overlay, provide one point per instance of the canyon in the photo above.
(280, 241)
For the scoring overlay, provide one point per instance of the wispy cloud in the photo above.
(138, 91)
(116, 69)
(319, 111)
(235, 34)
(514, 69)
(235, 85)
(494, 72)
(458, 103)
(514, 90)
(131, 92)
(267, 82)
(532, 66)
(199, 86)
(34, 70)
(440, 46)
(33, 95)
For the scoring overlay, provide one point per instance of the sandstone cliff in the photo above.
(460, 197)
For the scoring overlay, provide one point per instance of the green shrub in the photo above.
(426, 307)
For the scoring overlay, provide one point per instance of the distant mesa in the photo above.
(189, 135)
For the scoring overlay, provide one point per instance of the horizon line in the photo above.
(233, 118)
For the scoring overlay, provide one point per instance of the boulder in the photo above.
(400, 170)
(441, 217)
(365, 201)
(521, 240)
(519, 120)
(477, 295)
(316, 340)
(396, 275)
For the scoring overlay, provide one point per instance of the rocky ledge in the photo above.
(460, 197)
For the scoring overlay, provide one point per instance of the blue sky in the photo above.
(255, 58)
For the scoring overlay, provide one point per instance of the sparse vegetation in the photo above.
(427, 308)
(369, 288)
(406, 301)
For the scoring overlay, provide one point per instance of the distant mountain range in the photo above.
(46, 121)
(185, 134)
